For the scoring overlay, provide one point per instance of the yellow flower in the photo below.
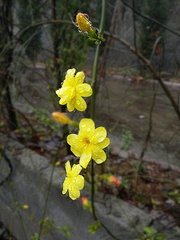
(83, 22)
(73, 89)
(73, 181)
(61, 118)
(89, 143)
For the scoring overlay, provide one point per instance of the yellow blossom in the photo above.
(73, 181)
(61, 118)
(83, 22)
(89, 143)
(72, 91)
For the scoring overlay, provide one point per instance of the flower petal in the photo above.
(66, 94)
(76, 145)
(69, 78)
(77, 151)
(85, 158)
(74, 193)
(98, 155)
(80, 182)
(86, 127)
(71, 105)
(58, 92)
(84, 90)
(79, 78)
(104, 143)
(68, 167)
(80, 104)
(65, 185)
(72, 139)
(63, 100)
(99, 135)
(76, 168)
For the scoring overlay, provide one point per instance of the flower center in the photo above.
(86, 141)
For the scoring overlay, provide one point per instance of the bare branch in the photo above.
(151, 68)
(151, 19)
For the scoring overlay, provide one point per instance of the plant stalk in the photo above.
(93, 101)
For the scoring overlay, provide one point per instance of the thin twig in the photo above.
(151, 19)
(93, 192)
(108, 43)
(134, 23)
(148, 135)
(93, 103)
(19, 35)
(46, 204)
(8, 161)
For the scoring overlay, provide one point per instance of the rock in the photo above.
(29, 185)
(34, 182)
(122, 217)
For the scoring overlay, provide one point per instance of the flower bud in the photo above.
(25, 206)
(85, 203)
(114, 180)
(61, 118)
(83, 22)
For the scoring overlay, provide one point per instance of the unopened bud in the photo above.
(83, 22)
(25, 206)
(114, 180)
(86, 203)
(61, 118)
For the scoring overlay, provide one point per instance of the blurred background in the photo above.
(138, 95)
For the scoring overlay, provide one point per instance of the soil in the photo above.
(147, 185)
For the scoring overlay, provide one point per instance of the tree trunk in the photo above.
(56, 64)
(6, 54)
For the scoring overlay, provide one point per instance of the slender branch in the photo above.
(94, 82)
(155, 47)
(148, 135)
(3, 154)
(19, 35)
(134, 23)
(93, 192)
(151, 19)
(152, 70)
(93, 103)
(108, 43)
(26, 120)
(46, 204)
(147, 138)
(38, 24)
(92, 114)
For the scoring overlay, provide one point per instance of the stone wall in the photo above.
(29, 184)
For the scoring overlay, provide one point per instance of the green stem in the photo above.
(95, 64)
(93, 191)
(93, 83)
(93, 102)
